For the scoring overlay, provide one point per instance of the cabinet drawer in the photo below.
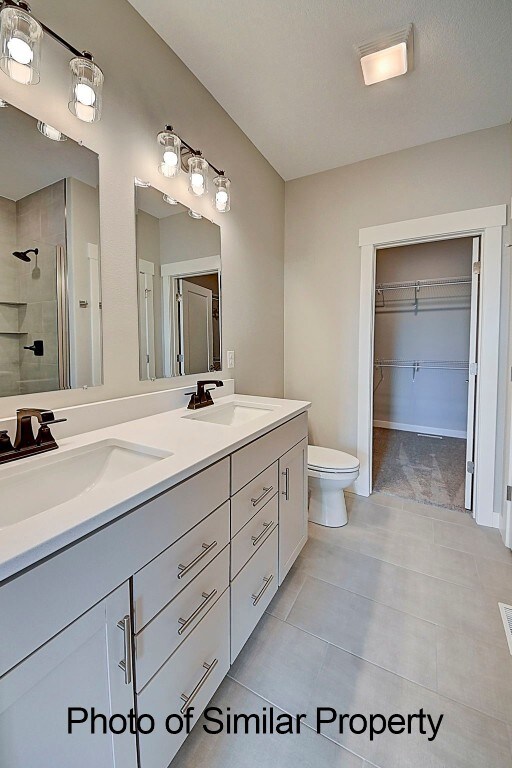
(251, 593)
(261, 453)
(160, 638)
(195, 670)
(159, 581)
(253, 497)
(247, 541)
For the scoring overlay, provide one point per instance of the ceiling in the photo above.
(29, 161)
(287, 72)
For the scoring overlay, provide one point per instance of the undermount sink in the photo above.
(56, 478)
(231, 414)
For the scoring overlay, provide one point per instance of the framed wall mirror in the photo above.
(50, 287)
(179, 288)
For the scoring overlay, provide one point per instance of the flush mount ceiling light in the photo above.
(194, 214)
(50, 132)
(3, 104)
(387, 57)
(170, 200)
(21, 35)
(141, 183)
(178, 155)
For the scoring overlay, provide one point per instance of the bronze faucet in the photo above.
(25, 444)
(202, 397)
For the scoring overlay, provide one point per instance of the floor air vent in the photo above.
(506, 615)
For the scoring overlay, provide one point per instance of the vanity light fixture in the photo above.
(20, 56)
(141, 183)
(50, 132)
(20, 43)
(387, 57)
(194, 214)
(179, 155)
(170, 200)
(222, 195)
(171, 157)
(86, 92)
(197, 175)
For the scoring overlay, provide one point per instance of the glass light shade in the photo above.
(171, 157)
(197, 176)
(384, 64)
(50, 132)
(222, 197)
(20, 45)
(86, 93)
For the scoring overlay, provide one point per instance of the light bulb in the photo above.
(222, 197)
(85, 94)
(20, 51)
(170, 157)
(197, 180)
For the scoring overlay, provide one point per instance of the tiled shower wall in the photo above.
(35, 221)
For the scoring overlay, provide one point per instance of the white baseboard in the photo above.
(420, 428)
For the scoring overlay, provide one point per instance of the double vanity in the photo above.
(135, 562)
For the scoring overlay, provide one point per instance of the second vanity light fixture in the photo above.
(21, 35)
(178, 155)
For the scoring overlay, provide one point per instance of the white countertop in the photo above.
(193, 443)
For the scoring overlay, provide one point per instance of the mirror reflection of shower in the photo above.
(23, 255)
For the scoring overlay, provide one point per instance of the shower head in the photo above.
(23, 255)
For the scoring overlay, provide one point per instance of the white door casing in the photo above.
(486, 223)
(472, 375)
(196, 328)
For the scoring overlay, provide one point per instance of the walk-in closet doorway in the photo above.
(479, 246)
(425, 371)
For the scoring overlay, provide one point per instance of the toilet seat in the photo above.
(331, 461)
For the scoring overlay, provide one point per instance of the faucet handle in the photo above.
(5, 441)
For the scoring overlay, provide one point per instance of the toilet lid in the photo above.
(330, 460)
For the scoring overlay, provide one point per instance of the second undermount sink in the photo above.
(232, 414)
(57, 477)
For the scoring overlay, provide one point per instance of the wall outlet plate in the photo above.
(230, 358)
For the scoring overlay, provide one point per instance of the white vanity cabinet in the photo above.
(79, 667)
(198, 565)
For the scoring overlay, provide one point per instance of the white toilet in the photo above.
(329, 472)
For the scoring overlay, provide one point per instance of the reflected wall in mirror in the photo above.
(179, 288)
(50, 303)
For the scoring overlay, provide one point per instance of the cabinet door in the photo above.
(79, 667)
(293, 505)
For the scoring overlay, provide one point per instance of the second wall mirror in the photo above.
(179, 288)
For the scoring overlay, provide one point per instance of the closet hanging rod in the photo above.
(450, 365)
(466, 280)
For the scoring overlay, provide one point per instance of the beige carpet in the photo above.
(423, 469)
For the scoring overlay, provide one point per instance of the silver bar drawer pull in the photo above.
(266, 491)
(190, 698)
(125, 624)
(258, 538)
(185, 623)
(184, 569)
(286, 492)
(266, 583)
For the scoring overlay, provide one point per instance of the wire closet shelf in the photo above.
(416, 365)
(414, 290)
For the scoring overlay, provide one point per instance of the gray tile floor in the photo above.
(396, 611)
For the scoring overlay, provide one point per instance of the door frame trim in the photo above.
(488, 224)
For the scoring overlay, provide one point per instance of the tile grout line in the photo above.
(321, 735)
(405, 567)
(491, 643)
(400, 677)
